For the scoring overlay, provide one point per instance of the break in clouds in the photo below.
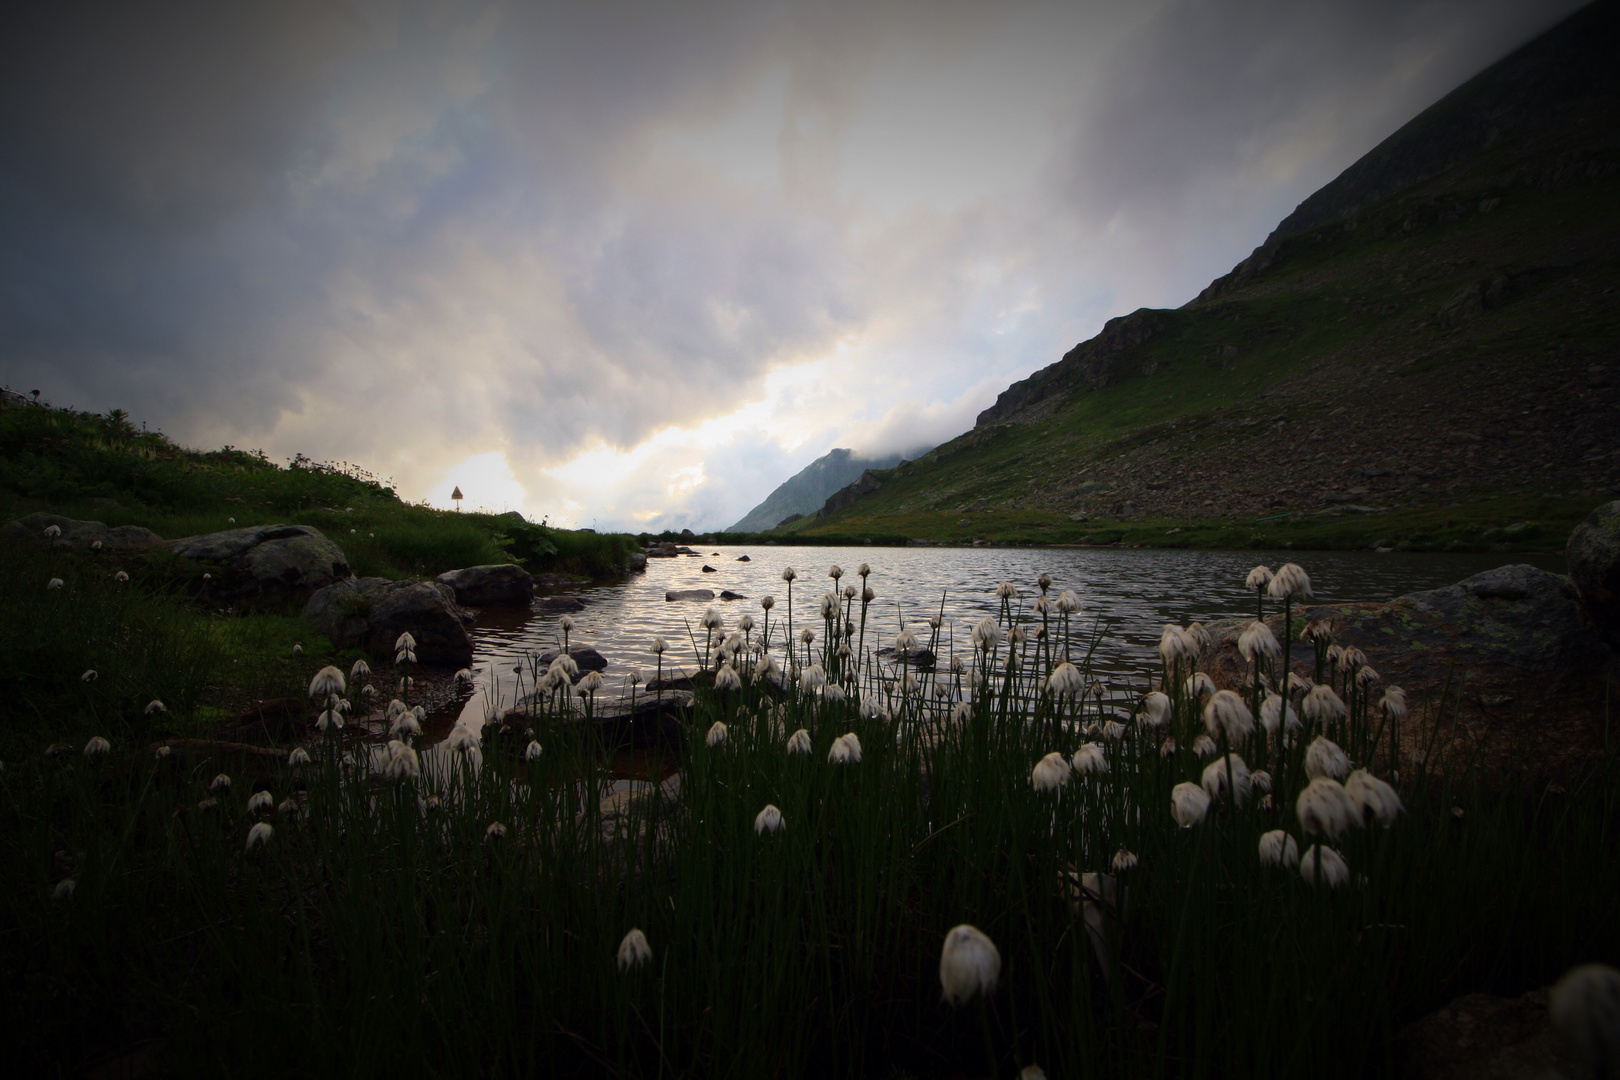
(633, 265)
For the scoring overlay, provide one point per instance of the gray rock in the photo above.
(273, 563)
(586, 657)
(729, 595)
(559, 605)
(689, 594)
(371, 613)
(1504, 659)
(497, 585)
(920, 657)
(1485, 1037)
(1593, 554)
(707, 569)
(638, 561)
(79, 535)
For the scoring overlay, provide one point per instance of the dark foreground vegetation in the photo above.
(384, 927)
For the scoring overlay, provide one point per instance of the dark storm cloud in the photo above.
(410, 233)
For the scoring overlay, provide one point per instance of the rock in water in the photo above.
(370, 613)
(497, 585)
(689, 594)
(1593, 555)
(586, 657)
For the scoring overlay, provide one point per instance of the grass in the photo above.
(100, 467)
(376, 933)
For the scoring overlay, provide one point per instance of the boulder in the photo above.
(269, 563)
(744, 558)
(586, 657)
(1593, 555)
(707, 569)
(79, 535)
(559, 605)
(921, 657)
(371, 613)
(497, 585)
(1504, 661)
(1485, 1037)
(689, 594)
(638, 561)
(727, 594)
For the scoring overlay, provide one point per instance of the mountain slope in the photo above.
(806, 491)
(1436, 325)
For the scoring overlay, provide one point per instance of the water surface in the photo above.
(1134, 592)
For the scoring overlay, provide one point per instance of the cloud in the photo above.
(638, 264)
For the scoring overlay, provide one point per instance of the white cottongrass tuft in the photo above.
(768, 820)
(1175, 645)
(53, 531)
(259, 835)
(1290, 582)
(590, 684)
(1188, 804)
(1258, 641)
(1585, 1006)
(1204, 747)
(813, 677)
(97, 747)
(362, 670)
(462, 739)
(1167, 748)
(1277, 848)
(1351, 659)
(154, 707)
(1069, 602)
(658, 645)
(64, 889)
(1090, 759)
(51, 586)
(1373, 797)
(717, 733)
(327, 681)
(1325, 808)
(767, 602)
(220, 783)
(121, 577)
(1226, 714)
(495, 831)
(633, 950)
(89, 676)
(969, 965)
(1271, 714)
(799, 742)
(712, 620)
(260, 801)
(1050, 773)
(1156, 709)
(727, 679)
(163, 751)
(788, 573)
(1324, 758)
(1322, 705)
(1113, 731)
(1215, 778)
(298, 757)
(1261, 780)
(404, 641)
(1258, 578)
(1124, 859)
(1200, 686)
(1323, 866)
(1006, 591)
(532, 751)
(402, 762)
(846, 750)
(1393, 703)
(1366, 677)
(986, 633)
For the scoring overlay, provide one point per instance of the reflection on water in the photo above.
(1132, 592)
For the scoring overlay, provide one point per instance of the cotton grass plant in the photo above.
(975, 864)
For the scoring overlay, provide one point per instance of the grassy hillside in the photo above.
(1436, 369)
(103, 468)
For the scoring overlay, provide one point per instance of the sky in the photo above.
(630, 266)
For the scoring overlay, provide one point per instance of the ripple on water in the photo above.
(1128, 593)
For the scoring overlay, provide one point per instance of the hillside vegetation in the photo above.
(1421, 357)
(104, 468)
